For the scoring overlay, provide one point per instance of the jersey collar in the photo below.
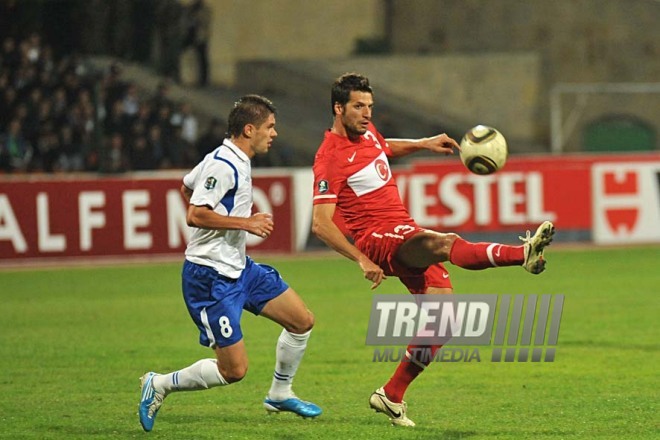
(234, 149)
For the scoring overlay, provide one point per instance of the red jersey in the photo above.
(356, 176)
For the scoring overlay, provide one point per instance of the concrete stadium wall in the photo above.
(286, 29)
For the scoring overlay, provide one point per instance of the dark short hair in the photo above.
(345, 84)
(249, 109)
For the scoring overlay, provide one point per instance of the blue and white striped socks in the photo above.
(289, 353)
(201, 375)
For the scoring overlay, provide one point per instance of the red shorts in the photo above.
(381, 243)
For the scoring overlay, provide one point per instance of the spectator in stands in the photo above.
(113, 85)
(116, 121)
(8, 104)
(46, 63)
(143, 117)
(157, 147)
(47, 151)
(99, 104)
(162, 95)
(10, 56)
(88, 119)
(141, 156)
(48, 146)
(46, 80)
(60, 105)
(163, 118)
(185, 118)
(117, 159)
(72, 86)
(131, 100)
(176, 148)
(71, 151)
(31, 123)
(25, 78)
(15, 150)
(32, 47)
(92, 154)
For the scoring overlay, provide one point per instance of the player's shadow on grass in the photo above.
(421, 431)
(455, 435)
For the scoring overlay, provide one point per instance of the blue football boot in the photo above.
(150, 402)
(294, 405)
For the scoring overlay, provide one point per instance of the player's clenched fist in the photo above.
(260, 224)
(372, 272)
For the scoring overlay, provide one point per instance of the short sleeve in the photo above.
(328, 180)
(190, 178)
(212, 182)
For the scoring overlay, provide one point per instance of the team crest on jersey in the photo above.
(381, 169)
(323, 186)
(210, 182)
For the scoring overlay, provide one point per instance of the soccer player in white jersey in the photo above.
(352, 175)
(219, 280)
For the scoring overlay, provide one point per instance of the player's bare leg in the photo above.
(290, 312)
(232, 361)
(426, 248)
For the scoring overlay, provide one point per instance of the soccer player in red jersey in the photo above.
(352, 175)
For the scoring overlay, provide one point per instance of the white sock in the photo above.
(289, 353)
(201, 375)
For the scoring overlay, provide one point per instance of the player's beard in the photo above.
(354, 130)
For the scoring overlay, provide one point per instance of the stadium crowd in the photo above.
(60, 115)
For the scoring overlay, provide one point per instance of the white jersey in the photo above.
(221, 181)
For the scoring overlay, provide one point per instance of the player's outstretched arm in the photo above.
(440, 143)
(325, 229)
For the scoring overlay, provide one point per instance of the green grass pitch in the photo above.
(74, 341)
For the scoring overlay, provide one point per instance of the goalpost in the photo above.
(561, 127)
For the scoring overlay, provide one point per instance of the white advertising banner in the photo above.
(626, 202)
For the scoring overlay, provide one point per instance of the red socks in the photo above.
(477, 256)
(409, 368)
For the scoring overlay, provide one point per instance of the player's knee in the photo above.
(233, 374)
(304, 324)
(440, 245)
